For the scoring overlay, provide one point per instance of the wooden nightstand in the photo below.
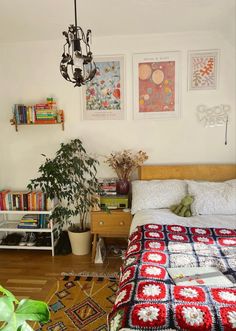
(115, 223)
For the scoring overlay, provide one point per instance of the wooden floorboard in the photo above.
(33, 274)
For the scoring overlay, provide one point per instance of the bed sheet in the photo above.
(165, 216)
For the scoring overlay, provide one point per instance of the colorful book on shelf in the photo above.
(29, 221)
(19, 200)
(26, 226)
(46, 112)
(34, 201)
(9, 196)
(24, 200)
(108, 186)
(4, 199)
(51, 121)
(29, 198)
(30, 217)
(40, 113)
(43, 221)
(7, 200)
(51, 203)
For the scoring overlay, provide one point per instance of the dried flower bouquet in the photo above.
(125, 162)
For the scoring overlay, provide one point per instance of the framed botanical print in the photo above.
(156, 85)
(104, 95)
(203, 69)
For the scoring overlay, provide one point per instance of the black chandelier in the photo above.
(77, 65)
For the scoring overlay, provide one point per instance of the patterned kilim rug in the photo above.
(81, 303)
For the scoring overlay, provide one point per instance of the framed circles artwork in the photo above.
(156, 85)
(203, 69)
(104, 95)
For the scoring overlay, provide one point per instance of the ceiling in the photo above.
(27, 20)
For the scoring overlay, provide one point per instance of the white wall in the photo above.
(29, 72)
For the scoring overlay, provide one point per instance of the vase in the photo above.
(122, 186)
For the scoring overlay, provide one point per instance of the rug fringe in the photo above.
(92, 274)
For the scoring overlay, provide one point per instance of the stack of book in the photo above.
(44, 116)
(29, 222)
(108, 186)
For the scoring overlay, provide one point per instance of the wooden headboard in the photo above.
(210, 172)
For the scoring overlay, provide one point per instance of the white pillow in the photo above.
(213, 198)
(157, 193)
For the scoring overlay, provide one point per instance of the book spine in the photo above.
(21, 114)
(28, 115)
(40, 221)
(50, 121)
(10, 201)
(33, 200)
(43, 201)
(25, 201)
(33, 114)
(18, 206)
(25, 114)
(26, 227)
(16, 114)
(6, 200)
(39, 200)
(21, 202)
(29, 197)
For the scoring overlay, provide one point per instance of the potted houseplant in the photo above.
(14, 314)
(70, 177)
(124, 163)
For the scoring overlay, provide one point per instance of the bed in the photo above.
(147, 298)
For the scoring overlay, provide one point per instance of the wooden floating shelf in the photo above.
(13, 122)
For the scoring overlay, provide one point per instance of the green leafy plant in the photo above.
(14, 314)
(71, 178)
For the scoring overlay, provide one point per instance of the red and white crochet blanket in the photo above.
(147, 298)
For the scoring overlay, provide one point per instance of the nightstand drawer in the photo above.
(114, 223)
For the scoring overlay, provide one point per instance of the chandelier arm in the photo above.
(64, 47)
(64, 72)
(87, 49)
(82, 34)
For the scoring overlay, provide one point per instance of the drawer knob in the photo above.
(122, 223)
(101, 223)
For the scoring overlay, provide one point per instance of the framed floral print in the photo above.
(202, 69)
(156, 85)
(104, 95)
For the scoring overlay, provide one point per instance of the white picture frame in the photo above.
(203, 69)
(156, 91)
(104, 96)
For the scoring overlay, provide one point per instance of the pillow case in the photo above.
(157, 193)
(211, 198)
